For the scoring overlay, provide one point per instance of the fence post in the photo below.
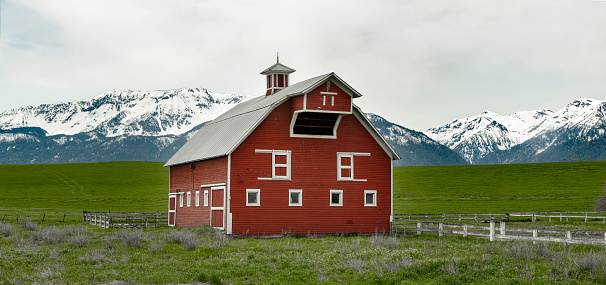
(535, 234)
(464, 230)
(586, 217)
(492, 230)
(502, 228)
(418, 227)
(476, 217)
(560, 216)
(440, 229)
(534, 218)
(568, 236)
(459, 217)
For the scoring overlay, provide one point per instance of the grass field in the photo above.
(56, 252)
(570, 186)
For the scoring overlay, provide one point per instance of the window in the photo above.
(336, 197)
(370, 197)
(188, 199)
(205, 198)
(280, 164)
(181, 199)
(345, 166)
(197, 198)
(253, 197)
(315, 124)
(295, 197)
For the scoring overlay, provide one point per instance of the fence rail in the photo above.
(125, 219)
(570, 237)
(459, 217)
(564, 215)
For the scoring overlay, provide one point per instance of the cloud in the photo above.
(418, 63)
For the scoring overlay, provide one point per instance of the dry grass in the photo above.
(27, 224)
(131, 238)
(6, 229)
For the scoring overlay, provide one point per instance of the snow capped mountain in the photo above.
(477, 137)
(125, 113)
(414, 148)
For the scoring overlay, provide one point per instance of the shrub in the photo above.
(131, 238)
(187, 239)
(600, 202)
(6, 229)
(27, 224)
(387, 242)
(94, 257)
(78, 240)
(50, 235)
(74, 230)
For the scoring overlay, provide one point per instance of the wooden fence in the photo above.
(586, 216)
(125, 220)
(570, 237)
(459, 217)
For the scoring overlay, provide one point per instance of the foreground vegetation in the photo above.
(30, 253)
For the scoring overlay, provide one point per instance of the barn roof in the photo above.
(224, 134)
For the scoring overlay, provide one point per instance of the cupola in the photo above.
(277, 77)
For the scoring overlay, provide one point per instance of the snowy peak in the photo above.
(476, 136)
(125, 112)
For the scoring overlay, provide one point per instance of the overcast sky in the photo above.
(420, 64)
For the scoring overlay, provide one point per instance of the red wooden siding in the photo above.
(314, 170)
(185, 179)
(318, 101)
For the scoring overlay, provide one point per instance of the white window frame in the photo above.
(188, 199)
(197, 198)
(374, 196)
(258, 192)
(300, 192)
(205, 198)
(274, 164)
(340, 192)
(340, 167)
(181, 200)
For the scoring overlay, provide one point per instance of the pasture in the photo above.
(56, 251)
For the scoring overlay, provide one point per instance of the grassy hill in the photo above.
(57, 189)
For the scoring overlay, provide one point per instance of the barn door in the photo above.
(217, 206)
(172, 209)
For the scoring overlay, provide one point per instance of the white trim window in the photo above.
(345, 165)
(253, 197)
(336, 197)
(181, 199)
(370, 198)
(280, 164)
(188, 199)
(295, 197)
(205, 198)
(197, 198)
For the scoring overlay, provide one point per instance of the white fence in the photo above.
(570, 237)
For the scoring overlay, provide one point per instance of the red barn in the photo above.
(301, 159)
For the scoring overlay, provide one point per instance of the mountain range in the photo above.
(153, 125)
(575, 132)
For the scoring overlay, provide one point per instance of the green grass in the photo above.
(58, 189)
(570, 186)
(52, 253)
(107, 258)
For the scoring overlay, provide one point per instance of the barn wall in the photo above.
(185, 179)
(315, 99)
(314, 170)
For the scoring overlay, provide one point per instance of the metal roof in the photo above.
(224, 134)
(278, 68)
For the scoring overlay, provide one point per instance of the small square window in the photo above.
(295, 197)
(370, 197)
(336, 197)
(253, 197)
